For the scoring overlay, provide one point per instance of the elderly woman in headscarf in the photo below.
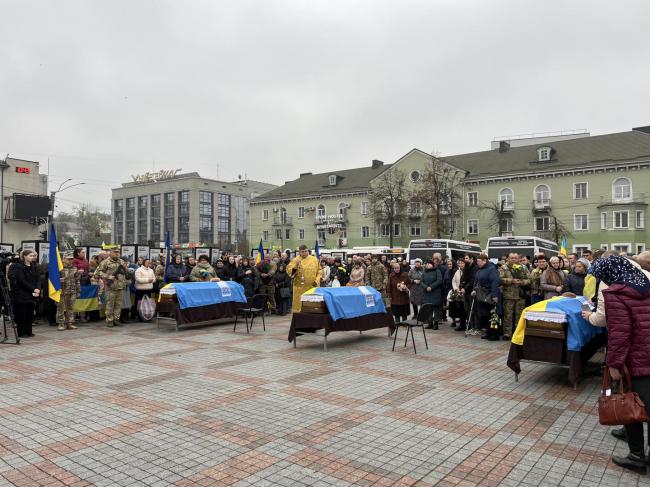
(575, 281)
(627, 300)
(552, 280)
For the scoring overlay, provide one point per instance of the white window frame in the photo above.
(469, 199)
(579, 249)
(586, 195)
(622, 198)
(265, 235)
(640, 247)
(364, 207)
(621, 212)
(278, 234)
(265, 215)
(542, 218)
(301, 212)
(639, 222)
(383, 226)
(469, 227)
(301, 234)
(332, 179)
(397, 229)
(604, 246)
(319, 208)
(363, 229)
(287, 234)
(544, 154)
(415, 230)
(603, 220)
(508, 228)
(628, 244)
(411, 210)
(512, 196)
(575, 222)
(548, 198)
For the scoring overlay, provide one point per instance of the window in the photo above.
(265, 235)
(640, 247)
(604, 246)
(241, 219)
(169, 213)
(283, 216)
(506, 225)
(365, 232)
(364, 207)
(542, 224)
(603, 220)
(544, 154)
(472, 198)
(415, 230)
(414, 176)
(301, 234)
(129, 235)
(506, 197)
(155, 218)
(142, 219)
(622, 189)
(384, 229)
(321, 237)
(397, 230)
(321, 210)
(579, 191)
(580, 222)
(301, 212)
(623, 248)
(542, 194)
(206, 232)
(415, 208)
(183, 216)
(472, 227)
(621, 219)
(287, 233)
(119, 220)
(343, 208)
(278, 234)
(224, 227)
(640, 219)
(332, 180)
(265, 214)
(579, 249)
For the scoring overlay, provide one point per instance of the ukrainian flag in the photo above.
(317, 250)
(54, 268)
(563, 246)
(87, 300)
(260, 253)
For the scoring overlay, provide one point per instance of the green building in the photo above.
(591, 190)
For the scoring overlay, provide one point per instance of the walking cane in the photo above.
(469, 318)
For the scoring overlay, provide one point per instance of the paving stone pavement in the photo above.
(139, 405)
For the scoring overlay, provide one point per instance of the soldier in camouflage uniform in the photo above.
(513, 278)
(266, 270)
(377, 277)
(70, 288)
(113, 275)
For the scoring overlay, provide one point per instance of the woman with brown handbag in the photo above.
(627, 302)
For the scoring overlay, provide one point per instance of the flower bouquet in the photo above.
(495, 322)
(454, 295)
(518, 272)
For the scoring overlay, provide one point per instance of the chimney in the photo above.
(504, 146)
(305, 174)
(377, 163)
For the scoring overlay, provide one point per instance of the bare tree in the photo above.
(495, 214)
(388, 199)
(437, 192)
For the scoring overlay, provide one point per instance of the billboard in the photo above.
(28, 206)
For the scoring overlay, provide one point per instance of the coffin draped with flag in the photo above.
(347, 302)
(196, 294)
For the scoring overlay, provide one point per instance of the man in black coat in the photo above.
(466, 287)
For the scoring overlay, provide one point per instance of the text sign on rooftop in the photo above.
(152, 177)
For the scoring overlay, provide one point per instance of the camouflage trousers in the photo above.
(65, 309)
(268, 289)
(512, 309)
(113, 305)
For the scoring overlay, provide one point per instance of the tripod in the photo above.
(7, 312)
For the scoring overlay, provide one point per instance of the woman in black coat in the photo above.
(282, 281)
(248, 277)
(230, 269)
(25, 290)
(432, 285)
(487, 280)
(177, 270)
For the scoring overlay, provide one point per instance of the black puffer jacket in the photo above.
(24, 279)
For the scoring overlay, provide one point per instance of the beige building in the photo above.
(21, 177)
(193, 209)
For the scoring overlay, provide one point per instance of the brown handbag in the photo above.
(622, 407)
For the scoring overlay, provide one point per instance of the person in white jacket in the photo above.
(144, 279)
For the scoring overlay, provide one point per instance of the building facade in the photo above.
(191, 208)
(20, 177)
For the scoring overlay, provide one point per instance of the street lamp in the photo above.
(53, 199)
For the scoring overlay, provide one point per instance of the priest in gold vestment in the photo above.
(306, 273)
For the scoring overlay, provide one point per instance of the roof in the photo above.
(599, 149)
(347, 181)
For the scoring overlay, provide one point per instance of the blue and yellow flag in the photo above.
(260, 253)
(563, 247)
(168, 254)
(54, 268)
(317, 250)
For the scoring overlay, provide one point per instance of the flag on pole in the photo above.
(317, 250)
(563, 246)
(168, 254)
(260, 253)
(54, 268)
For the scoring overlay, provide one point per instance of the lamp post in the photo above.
(3, 165)
(53, 199)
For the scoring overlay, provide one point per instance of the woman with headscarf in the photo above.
(177, 270)
(575, 281)
(627, 300)
(552, 279)
(203, 271)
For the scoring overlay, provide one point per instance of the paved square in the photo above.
(139, 405)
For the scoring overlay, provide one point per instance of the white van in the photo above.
(528, 246)
(454, 249)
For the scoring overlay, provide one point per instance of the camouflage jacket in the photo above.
(70, 281)
(112, 273)
(377, 276)
(510, 290)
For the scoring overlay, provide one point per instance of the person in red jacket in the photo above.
(627, 301)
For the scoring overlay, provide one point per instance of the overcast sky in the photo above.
(270, 88)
